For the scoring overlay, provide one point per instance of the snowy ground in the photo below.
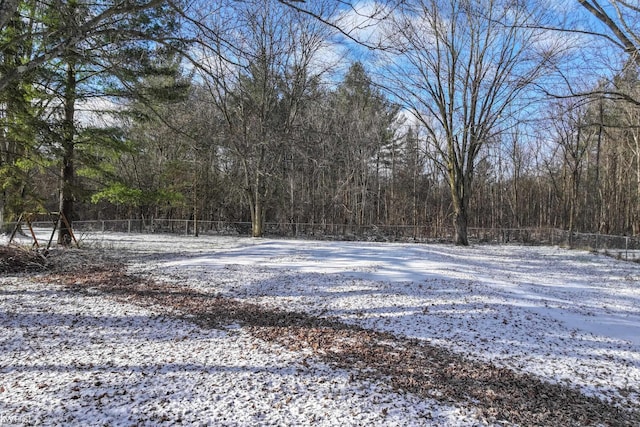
(565, 316)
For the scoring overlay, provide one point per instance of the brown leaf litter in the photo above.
(499, 394)
(16, 259)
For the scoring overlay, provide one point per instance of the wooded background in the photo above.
(423, 113)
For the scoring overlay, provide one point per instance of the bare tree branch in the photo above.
(617, 28)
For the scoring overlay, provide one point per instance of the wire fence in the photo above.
(627, 247)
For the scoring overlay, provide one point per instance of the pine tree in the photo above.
(22, 105)
(88, 73)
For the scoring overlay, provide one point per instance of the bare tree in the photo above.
(574, 139)
(621, 19)
(258, 81)
(460, 66)
(616, 24)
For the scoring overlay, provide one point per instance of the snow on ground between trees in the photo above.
(566, 317)
(78, 359)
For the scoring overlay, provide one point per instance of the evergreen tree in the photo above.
(363, 127)
(142, 166)
(23, 105)
(88, 73)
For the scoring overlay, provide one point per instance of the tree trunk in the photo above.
(67, 174)
(2, 205)
(460, 187)
(66, 196)
(460, 197)
(257, 218)
(460, 226)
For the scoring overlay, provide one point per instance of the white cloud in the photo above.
(363, 22)
(98, 112)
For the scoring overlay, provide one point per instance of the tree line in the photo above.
(431, 113)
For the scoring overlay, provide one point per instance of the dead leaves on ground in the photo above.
(499, 394)
(15, 259)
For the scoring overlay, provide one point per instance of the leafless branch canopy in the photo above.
(621, 19)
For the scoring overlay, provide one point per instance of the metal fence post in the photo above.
(626, 247)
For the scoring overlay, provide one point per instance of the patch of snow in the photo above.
(80, 359)
(566, 316)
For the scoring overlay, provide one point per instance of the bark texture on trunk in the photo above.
(67, 173)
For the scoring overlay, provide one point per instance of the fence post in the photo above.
(626, 247)
(129, 226)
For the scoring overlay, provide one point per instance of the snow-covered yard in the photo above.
(67, 357)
